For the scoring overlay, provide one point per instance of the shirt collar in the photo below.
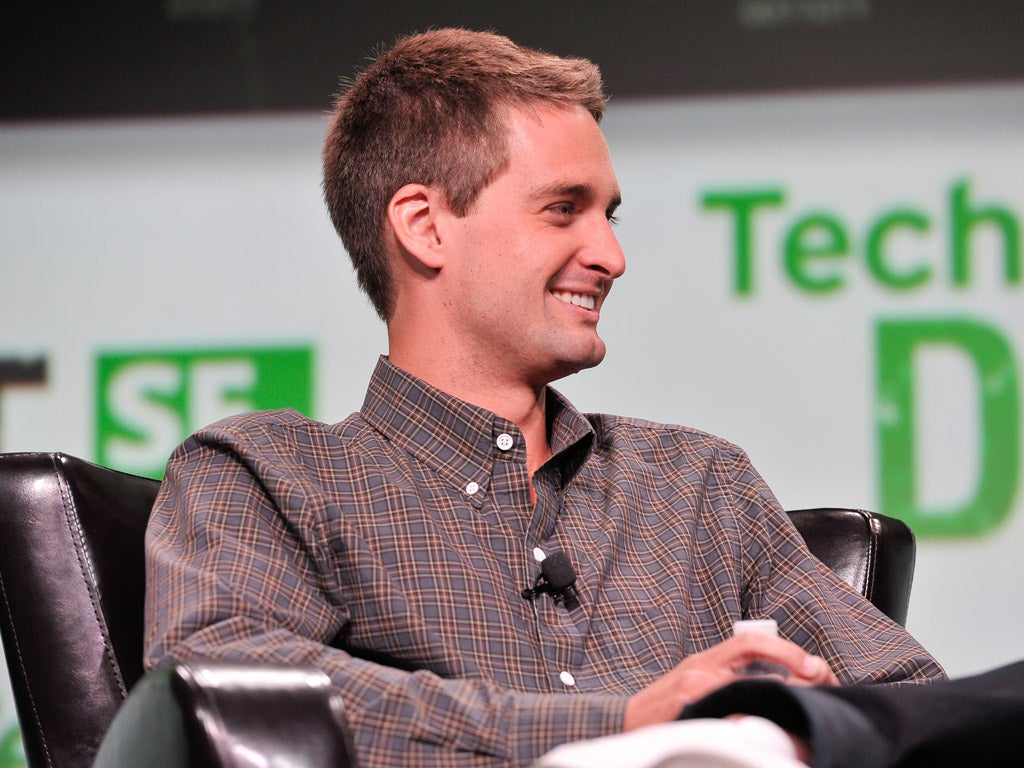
(458, 440)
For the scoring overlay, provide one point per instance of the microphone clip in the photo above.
(557, 578)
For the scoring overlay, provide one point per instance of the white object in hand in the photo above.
(759, 668)
(759, 626)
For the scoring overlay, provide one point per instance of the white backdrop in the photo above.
(197, 235)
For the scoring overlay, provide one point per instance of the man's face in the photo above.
(536, 255)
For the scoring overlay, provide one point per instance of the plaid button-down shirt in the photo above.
(391, 550)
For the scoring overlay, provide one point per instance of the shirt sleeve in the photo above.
(230, 577)
(814, 608)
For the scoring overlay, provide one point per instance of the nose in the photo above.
(603, 253)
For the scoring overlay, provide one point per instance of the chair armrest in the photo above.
(220, 715)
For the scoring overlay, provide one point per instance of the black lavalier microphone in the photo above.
(558, 578)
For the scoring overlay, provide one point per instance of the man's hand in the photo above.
(704, 672)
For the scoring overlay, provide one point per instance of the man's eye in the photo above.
(563, 209)
(613, 219)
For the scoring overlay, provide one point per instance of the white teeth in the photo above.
(578, 299)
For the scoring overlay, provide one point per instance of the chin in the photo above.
(577, 363)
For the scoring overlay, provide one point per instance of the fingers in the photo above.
(794, 663)
(816, 672)
(700, 674)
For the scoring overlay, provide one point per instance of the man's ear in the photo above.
(413, 215)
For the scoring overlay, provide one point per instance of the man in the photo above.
(398, 550)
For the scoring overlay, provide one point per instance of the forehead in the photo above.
(554, 146)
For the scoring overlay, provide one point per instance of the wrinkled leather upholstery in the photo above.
(71, 601)
(71, 587)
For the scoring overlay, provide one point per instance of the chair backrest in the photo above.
(71, 598)
(72, 580)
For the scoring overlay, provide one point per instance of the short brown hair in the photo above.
(428, 111)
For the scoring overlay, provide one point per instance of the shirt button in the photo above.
(567, 678)
(472, 488)
(504, 441)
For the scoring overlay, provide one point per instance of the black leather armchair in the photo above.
(71, 584)
(71, 597)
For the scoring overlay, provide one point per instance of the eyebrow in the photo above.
(580, 191)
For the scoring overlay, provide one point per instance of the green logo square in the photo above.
(149, 401)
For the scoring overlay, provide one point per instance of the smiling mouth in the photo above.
(576, 299)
